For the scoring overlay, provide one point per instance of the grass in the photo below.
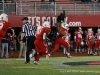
(16, 66)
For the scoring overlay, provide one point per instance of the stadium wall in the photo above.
(72, 20)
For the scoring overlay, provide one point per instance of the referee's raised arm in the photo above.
(28, 30)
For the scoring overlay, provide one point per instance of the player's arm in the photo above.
(44, 38)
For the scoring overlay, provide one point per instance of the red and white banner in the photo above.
(72, 20)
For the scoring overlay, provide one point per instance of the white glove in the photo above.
(49, 55)
(49, 43)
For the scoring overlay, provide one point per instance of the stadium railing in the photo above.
(35, 8)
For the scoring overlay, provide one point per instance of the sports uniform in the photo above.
(40, 44)
(90, 39)
(4, 25)
(60, 41)
(97, 41)
(78, 39)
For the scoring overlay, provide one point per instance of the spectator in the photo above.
(11, 44)
(22, 45)
(14, 41)
(4, 44)
(5, 41)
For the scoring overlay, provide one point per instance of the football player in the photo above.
(60, 41)
(40, 42)
(78, 39)
(90, 40)
(97, 44)
(67, 39)
(4, 25)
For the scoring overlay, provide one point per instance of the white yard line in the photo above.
(82, 71)
(63, 70)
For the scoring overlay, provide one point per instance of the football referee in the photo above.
(28, 30)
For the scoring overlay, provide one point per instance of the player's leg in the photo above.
(65, 44)
(96, 48)
(47, 49)
(76, 49)
(40, 49)
(91, 50)
(64, 50)
(56, 46)
(80, 43)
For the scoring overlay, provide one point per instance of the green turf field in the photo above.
(16, 66)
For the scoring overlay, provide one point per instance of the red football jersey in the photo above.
(89, 36)
(78, 34)
(40, 32)
(67, 37)
(97, 36)
(3, 28)
(62, 30)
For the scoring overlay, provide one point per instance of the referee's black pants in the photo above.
(29, 46)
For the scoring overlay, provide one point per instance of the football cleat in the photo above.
(69, 56)
(36, 62)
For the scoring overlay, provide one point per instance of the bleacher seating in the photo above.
(29, 7)
(47, 1)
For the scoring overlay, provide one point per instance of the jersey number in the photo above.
(1, 26)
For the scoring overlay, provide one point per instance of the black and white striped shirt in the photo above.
(28, 29)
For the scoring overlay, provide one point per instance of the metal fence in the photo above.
(26, 8)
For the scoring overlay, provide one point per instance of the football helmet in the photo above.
(98, 30)
(39, 27)
(4, 17)
(46, 24)
(89, 30)
(80, 29)
(64, 25)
